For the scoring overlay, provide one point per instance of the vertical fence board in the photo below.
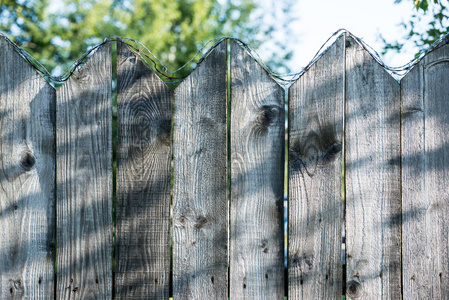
(200, 168)
(425, 177)
(84, 181)
(27, 164)
(315, 207)
(257, 173)
(345, 73)
(143, 180)
(373, 199)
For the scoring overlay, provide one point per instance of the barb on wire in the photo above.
(164, 72)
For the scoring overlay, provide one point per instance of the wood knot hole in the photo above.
(27, 160)
(353, 289)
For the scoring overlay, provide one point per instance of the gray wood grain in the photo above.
(315, 208)
(425, 177)
(200, 182)
(372, 174)
(84, 181)
(257, 173)
(143, 180)
(27, 177)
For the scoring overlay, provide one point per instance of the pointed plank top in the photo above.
(129, 58)
(7, 50)
(207, 65)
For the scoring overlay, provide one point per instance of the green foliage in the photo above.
(429, 22)
(57, 32)
(422, 4)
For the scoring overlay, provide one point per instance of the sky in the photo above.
(318, 20)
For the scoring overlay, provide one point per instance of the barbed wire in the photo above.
(169, 77)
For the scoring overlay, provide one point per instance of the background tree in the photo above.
(429, 22)
(57, 32)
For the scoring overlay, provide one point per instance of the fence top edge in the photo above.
(285, 80)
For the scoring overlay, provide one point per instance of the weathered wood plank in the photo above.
(257, 173)
(84, 181)
(200, 182)
(143, 180)
(372, 174)
(27, 164)
(315, 208)
(425, 177)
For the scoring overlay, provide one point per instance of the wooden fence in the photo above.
(222, 202)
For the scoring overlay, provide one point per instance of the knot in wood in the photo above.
(200, 222)
(264, 246)
(294, 259)
(184, 217)
(27, 160)
(18, 286)
(331, 152)
(83, 77)
(265, 116)
(354, 289)
(304, 156)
